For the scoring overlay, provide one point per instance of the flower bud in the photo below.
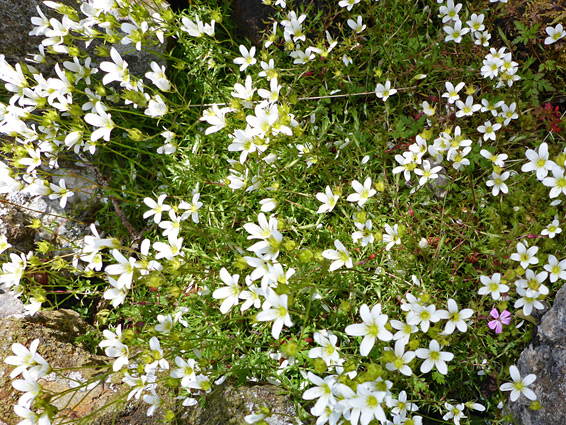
(305, 256)
(289, 245)
(290, 349)
(240, 263)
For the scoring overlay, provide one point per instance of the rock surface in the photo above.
(15, 25)
(16, 43)
(57, 331)
(229, 404)
(9, 304)
(546, 358)
(252, 17)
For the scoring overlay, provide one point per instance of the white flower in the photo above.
(158, 77)
(392, 237)
(554, 34)
(498, 159)
(192, 208)
(357, 24)
(556, 270)
(452, 92)
(29, 386)
(524, 255)
(27, 360)
(159, 362)
(33, 161)
(171, 227)
(30, 417)
(456, 318)
(116, 70)
(552, 229)
(454, 412)
(264, 230)
(482, 38)
(402, 359)
(328, 200)
(476, 22)
(186, 371)
(125, 269)
(455, 32)
(489, 130)
(156, 107)
(404, 330)
(528, 300)
(117, 294)
(539, 161)
(433, 357)
(245, 92)
(372, 328)
(427, 173)
(368, 401)
(508, 113)
(170, 249)
(268, 204)
(533, 281)
(216, 117)
(450, 11)
(349, 4)
(229, 293)
(339, 257)
(154, 400)
(322, 391)
(254, 417)
(247, 58)
(363, 193)
(327, 350)
(117, 349)
(384, 91)
(138, 384)
(4, 244)
(251, 295)
(424, 316)
(157, 208)
(492, 285)
(467, 108)
(275, 309)
(198, 29)
(498, 183)
(364, 232)
(302, 57)
(165, 324)
(13, 271)
(519, 386)
(428, 109)
(557, 182)
(400, 406)
(60, 191)
(201, 382)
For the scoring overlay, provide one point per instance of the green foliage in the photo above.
(282, 245)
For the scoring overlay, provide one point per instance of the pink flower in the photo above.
(499, 320)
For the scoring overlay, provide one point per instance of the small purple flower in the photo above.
(499, 320)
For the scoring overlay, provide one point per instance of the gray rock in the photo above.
(230, 404)
(16, 43)
(104, 403)
(9, 304)
(546, 358)
(15, 25)
(57, 331)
